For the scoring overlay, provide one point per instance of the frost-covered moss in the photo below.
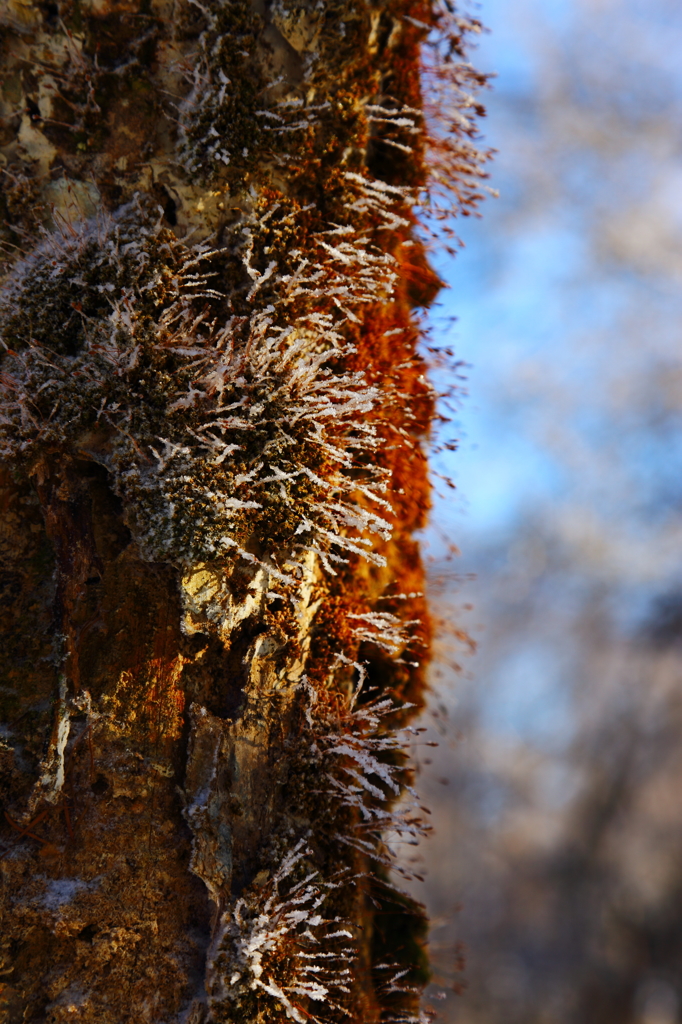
(260, 410)
(63, 296)
(276, 950)
(221, 131)
(222, 433)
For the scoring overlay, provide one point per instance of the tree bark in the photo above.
(213, 419)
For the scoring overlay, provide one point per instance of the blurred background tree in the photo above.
(556, 786)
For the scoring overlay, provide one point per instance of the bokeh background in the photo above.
(554, 877)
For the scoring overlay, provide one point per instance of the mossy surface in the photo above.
(217, 414)
(222, 121)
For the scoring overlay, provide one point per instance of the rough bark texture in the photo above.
(212, 424)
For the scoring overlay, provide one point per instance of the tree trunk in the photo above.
(212, 420)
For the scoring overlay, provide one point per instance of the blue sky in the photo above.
(569, 342)
(534, 297)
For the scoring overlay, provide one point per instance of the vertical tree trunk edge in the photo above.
(213, 427)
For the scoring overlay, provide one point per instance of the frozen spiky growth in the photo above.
(221, 421)
(361, 756)
(260, 408)
(276, 944)
(219, 129)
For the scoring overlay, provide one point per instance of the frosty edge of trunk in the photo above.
(212, 428)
